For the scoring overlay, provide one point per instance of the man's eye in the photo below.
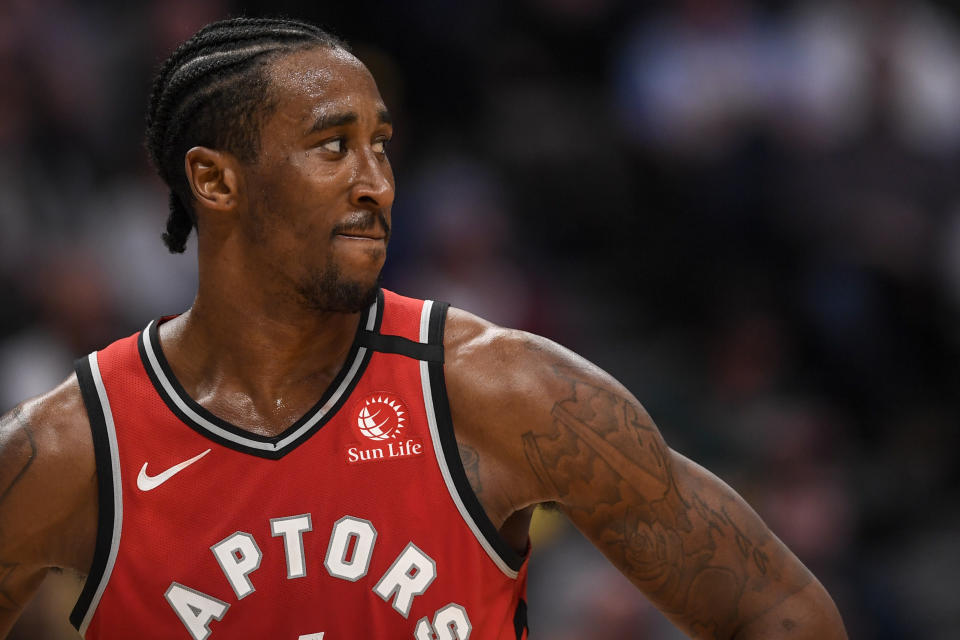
(380, 146)
(335, 145)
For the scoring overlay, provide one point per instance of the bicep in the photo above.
(47, 492)
(20, 573)
(19, 451)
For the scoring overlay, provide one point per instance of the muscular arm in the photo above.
(18, 580)
(47, 482)
(568, 432)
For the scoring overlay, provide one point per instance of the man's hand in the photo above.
(567, 432)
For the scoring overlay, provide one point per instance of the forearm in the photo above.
(807, 614)
(705, 559)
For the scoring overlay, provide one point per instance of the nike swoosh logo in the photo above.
(147, 483)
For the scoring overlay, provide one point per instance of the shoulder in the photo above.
(497, 364)
(48, 480)
(486, 365)
(471, 342)
(54, 423)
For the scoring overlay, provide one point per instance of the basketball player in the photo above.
(303, 455)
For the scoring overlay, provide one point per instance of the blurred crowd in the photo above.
(746, 211)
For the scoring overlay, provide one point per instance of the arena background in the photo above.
(746, 211)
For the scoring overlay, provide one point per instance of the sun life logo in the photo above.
(381, 416)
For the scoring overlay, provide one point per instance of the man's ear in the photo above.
(212, 176)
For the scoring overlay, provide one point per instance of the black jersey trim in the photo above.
(402, 346)
(106, 515)
(520, 619)
(223, 432)
(451, 454)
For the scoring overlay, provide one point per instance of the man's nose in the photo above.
(373, 183)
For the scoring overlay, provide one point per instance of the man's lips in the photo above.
(364, 226)
(362, 235)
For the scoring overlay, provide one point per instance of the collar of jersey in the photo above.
(211, 426)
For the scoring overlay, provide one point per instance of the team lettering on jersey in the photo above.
(348, 558)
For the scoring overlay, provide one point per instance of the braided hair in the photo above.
(213, 91)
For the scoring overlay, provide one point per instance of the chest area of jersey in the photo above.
(378, 437)
(357, 517)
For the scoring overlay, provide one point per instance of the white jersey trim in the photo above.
(439, 454)
(272, 446)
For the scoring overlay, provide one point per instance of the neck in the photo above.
(256, 363)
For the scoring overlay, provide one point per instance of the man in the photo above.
(304, 455)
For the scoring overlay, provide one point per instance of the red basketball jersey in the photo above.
(356, 522)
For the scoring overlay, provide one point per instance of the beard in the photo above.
(330, 291)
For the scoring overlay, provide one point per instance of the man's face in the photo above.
(319, 193)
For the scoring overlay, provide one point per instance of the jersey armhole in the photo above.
(448, 455)
(110, 505)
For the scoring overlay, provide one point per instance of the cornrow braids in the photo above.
(212, 91)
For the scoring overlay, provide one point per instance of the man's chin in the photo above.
(334, 294)
(353, 298)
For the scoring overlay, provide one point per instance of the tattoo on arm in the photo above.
(17, 453)
(608, 465)
(18, 450)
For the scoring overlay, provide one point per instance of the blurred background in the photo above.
(746, 211)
